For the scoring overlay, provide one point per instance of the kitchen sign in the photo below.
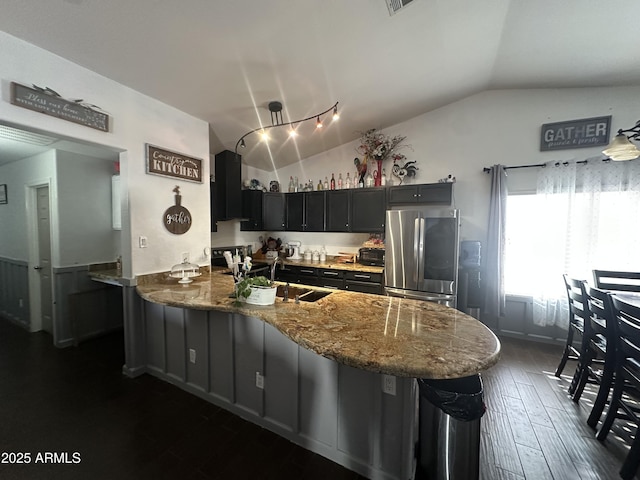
(171, 164)
(586, 132)
(49, 102)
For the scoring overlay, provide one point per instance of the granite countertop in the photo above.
(395, 336)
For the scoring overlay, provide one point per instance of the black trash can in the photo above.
(449, 428)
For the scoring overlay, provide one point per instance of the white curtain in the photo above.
(590, 219)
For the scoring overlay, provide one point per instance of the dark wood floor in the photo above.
(532, 428)
(76, 400)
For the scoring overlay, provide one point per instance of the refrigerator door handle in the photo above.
(421, 248)
(416, 250)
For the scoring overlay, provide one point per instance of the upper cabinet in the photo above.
(338, 210)
(368, 210)
(428, 194)
(251, 210)
(273, 211)
(228, 185)
(353, 210)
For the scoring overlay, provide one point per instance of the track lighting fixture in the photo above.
(275, 108)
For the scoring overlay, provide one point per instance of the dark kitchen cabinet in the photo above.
(426, 194)
(298, 274)
(329, 278)
(251, 210)
(229, 186)
(295, 211)
(338, 210)
(314, 211)
(364, 282)
(213, 204)
(273, 211)
(305, 212)
(368, 210)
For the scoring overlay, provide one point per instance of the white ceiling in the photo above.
(224, 61)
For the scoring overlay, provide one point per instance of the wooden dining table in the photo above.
(632, 298)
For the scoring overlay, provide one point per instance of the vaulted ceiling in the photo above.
(223, 62)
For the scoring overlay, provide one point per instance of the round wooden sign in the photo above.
(177, 218)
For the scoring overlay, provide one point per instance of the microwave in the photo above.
(371, 256)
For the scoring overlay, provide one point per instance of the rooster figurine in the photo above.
(408, 170)
(361, 167)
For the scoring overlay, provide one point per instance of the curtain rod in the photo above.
(542, 165)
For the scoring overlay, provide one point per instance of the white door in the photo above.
(40, 281)
(44, 260)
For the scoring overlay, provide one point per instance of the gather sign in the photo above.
(586, 132)
(171, 164)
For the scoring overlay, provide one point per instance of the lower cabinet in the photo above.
(355, 281)
(364, 282)
(250, 368)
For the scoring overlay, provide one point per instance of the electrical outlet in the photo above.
(389, 384)
(192, 355)
(259, 381)
(185, 257)
(142, 241)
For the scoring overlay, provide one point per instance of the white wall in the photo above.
(136, 120)
(493, 127)
(13, 216)
(84, 211)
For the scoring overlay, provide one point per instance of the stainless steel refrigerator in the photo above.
(421, 253)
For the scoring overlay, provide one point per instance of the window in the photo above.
(548, 235)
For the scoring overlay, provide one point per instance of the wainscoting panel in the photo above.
(14, 291)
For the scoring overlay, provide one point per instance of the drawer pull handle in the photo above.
(335, 274)
(362, 276)
(306, 271)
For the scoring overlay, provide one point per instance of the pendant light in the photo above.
(620, 148)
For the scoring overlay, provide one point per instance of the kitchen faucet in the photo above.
(273, 267)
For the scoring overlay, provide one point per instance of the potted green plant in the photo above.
(256, 291)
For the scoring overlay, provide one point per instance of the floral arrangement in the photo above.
(378, 146)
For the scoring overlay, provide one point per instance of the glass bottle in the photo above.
(361, 181)
(292, 186)
(320, 184)
(326, 183)
(383, 180)
(295, 184)
(339, 181)
(333, 182)
(347, 182)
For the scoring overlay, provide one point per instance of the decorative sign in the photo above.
(49, 102)
(172, 164)
(586, 132)
(177, 219)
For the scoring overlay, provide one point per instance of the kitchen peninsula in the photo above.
(313, 372)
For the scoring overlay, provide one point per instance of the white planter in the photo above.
(261, 296)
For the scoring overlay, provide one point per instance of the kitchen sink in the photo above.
(304, 294)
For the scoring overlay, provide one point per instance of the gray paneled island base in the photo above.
(312, 372)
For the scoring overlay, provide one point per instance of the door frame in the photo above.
(31, 212)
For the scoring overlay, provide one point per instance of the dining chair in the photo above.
(617, 281)
(598, 364)
(626, 386)
(578, 314)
